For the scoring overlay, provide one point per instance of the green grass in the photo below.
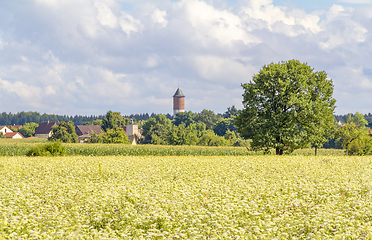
(172, 197)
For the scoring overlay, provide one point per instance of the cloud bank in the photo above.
(88, 57)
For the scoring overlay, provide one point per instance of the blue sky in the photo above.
(90, 56)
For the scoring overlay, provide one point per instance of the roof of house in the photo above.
(12, 134)
(178, 93)
(87, 129)
(2, 126)
(14, 126)
(45, 127)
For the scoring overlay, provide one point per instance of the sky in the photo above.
(86, 57)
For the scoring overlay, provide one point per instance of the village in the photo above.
(84, 132)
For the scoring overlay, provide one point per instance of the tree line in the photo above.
(27, 117)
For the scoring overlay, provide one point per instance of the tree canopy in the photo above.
(286, 106)
(65, 132)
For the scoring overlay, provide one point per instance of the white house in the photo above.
(5, 129)
(13, 135)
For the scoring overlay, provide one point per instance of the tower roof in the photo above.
(178, 93)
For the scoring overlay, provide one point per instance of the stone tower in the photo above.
(178, 102)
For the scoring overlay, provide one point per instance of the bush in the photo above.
(48, 149)
(111, 136)
(361, 146)
(240, 142)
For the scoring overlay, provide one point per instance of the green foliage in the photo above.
(224, 125)
(185, 118)
(113, 120)
(28, 129)
(116, 135)
(361, 146)
(2, 135)
(230, 137)
(286, 106)
(27, 117)
(231, 112)
(209, 138)
(48, 149)
(156, 130)
(64, 132)
(359, 120)
(355, 139)
(97, 122)
(349, 117)
(240, 142)
(208, 118)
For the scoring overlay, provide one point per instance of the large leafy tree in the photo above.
(28, 130)
(359, 120)
(349, 133)
(226, 124)
(286, 106)
(65, 132)
(231, 112)
(156, 130)
(185, 118)
(208, 117)
(113, 120)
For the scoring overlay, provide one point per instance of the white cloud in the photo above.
(273, 17)
(128, 24)
(86, 57)
(23, 91)
(105, 16)
(50, 90)
(340, 28)
(159, 17)
(212, 24)
(337, 11)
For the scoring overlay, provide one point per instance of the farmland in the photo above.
(19, 147)
(185, 197)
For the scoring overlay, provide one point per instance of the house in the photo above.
(5, 129)
(84, 131)
(13, 135)
(45, 129)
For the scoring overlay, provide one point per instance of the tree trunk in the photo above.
(346, 150)
(316, 151)
(279, 151)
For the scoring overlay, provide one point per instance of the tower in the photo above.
(178, 102)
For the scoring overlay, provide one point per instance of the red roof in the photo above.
(12, 134)
(14, 126)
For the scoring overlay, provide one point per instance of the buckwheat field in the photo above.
(214, 197)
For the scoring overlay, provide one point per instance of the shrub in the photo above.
(240, 142)
(48, 149)
(361, 146)
(111, 136)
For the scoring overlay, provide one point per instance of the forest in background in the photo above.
(27, 117)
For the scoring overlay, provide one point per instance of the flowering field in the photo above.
(244, 197)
